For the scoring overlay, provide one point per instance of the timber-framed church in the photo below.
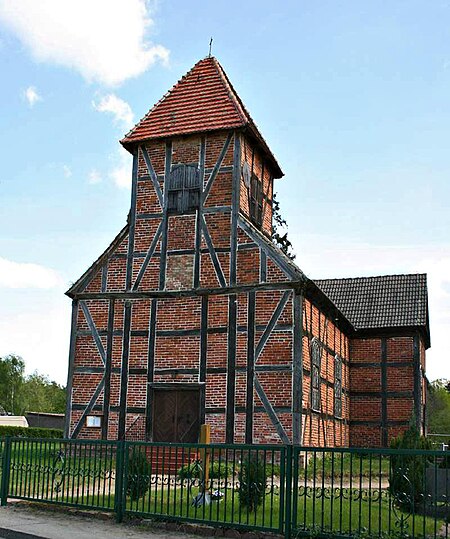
(193, 315)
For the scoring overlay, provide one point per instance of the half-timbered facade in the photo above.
(193, 315)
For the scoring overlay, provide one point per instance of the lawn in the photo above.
(332, 493)
(373, 517)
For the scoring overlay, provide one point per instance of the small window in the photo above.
(316, 356)
(256, 200)
(93, 421)
(183, 190)
(337, 386)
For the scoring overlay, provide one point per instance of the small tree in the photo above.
(139, 474)
(407, 479)
(252, 482)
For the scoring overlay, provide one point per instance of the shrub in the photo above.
(407, 480)
(139, 474)
(252, 482)
(29, 432)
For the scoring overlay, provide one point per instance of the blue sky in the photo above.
(352, 97)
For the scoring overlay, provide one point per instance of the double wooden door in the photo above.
(176, 415)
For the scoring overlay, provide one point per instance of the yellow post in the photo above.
(205, 438)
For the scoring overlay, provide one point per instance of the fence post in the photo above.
(118, 492)
(6, 464)
(288, 495)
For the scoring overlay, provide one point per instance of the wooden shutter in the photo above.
(183, 188)
(316, 355)
(256, 200)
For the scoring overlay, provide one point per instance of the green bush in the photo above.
(139, 474)
(194, 470)
(407, 478)
(29, 432)
(252, 482)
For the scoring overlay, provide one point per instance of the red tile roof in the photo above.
(203, 100)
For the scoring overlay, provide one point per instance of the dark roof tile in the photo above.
(389, 301)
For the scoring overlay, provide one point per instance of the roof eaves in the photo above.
(74, 289)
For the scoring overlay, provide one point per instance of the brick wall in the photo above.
(171, 352)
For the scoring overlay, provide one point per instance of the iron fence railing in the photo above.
(371, 493)
(295, 491)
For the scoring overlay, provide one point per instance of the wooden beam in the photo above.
(217, 166)
(272, 322)
(384, 410)
(89, 407)
(150, 367)
(71, 369)
(124, 369)
(270, 251)
(417, 383)
(165, 220)
(93, 329)
(231, 369)
(104, 276)
(271, 412)
(251, 308)
(203, 353)
(282, 285)
(129, 274)
(198, 220)
(152, 175)
(262, 265)
(297, 368)
(235, 206)
(148, 256)
(213, 255)
(108, 367)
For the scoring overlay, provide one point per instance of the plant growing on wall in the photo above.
(280, 226)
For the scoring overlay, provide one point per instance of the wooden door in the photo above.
(176, 415)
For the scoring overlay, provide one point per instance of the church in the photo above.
(193, 315)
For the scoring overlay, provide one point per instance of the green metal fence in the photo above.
(371, 493)
(295, 491)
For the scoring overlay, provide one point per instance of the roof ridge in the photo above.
(362, 277)
(237, 101)
(161, 100)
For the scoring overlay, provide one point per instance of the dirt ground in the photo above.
(25, 521)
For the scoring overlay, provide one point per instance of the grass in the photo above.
(367, 517)
(88, 481)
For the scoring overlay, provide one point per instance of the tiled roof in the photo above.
(389, 301)
(203, 100)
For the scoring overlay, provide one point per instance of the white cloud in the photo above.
(31, 96)
(94, 177)
(327, 257)
(104, 40)
(36, 326)
(67, 171)
(120, 174)
(119, 108)
(27, 275)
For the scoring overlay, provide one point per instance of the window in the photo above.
(337, 386)
(183, 190)
(316, 355)
(256, 200)
(93, 421)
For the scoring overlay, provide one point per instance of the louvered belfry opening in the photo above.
(256, 200)
(183, 188)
